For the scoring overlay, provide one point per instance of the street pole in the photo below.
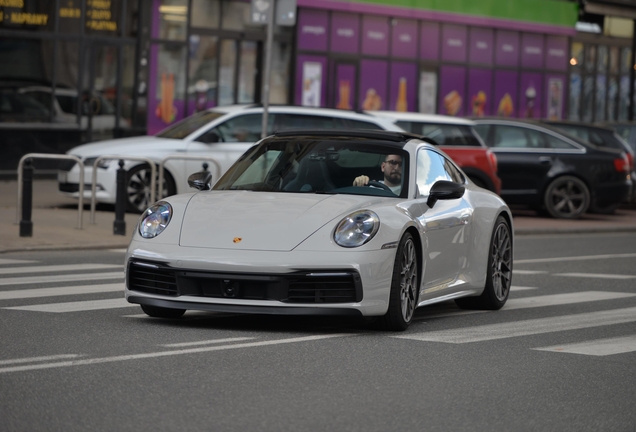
(268, 61)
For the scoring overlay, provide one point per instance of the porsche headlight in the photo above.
(155, 219)
(356, 229)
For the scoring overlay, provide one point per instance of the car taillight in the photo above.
(630, 159)
(622, 164)
(492, 157)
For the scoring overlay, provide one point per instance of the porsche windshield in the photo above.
(313, 165)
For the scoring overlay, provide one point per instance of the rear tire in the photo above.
(567, 197)
(404, 287)
(498, 273)
(160, 312)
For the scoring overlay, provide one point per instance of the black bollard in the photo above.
(26, 225)
(205, 166)
(119, 226)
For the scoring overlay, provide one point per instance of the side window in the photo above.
(410, 126)
(453, 172)
(359, 124)
(430, 168)
(510, 137)
(557, 143)
(535, 139)
(483, 130)
(450, 135)
(244, 128)
(295, 121)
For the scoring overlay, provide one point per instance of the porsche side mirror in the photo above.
(201, 180)
(444, 190)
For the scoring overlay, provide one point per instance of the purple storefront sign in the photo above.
(311, 81)
(452, 90)
(345, 33)
(481, 46)
(507, 48)
(555, 96)
(373, 75)
(479, 92)
(504, 103)
(556, 53)
(375, 35)
(345, 90)
(404, 39)
(312, 29)
(403, 86)
(531, 95)
(163, 108)
(454, 39)
(429, 41)
(532, 50)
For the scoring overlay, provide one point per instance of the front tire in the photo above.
(160, 312)
(498, 273)
(404, 286)
(567, 197)
(138, 182)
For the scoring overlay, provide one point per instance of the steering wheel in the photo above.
(377, 184)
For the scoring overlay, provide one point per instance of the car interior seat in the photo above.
(313, 175)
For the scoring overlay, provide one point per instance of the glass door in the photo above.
(99, 92)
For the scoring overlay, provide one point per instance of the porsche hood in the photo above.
(260, 220)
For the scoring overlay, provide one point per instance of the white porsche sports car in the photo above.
(353, 222)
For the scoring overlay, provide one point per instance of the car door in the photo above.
(448, 225)
(226, 142)
(523, 161)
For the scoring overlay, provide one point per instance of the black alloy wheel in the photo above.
(567, 197)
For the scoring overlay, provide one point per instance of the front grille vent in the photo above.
(152, 279)
(323, 289)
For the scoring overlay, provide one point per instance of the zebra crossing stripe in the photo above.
(562, 299)
(596, 275)
(51, 292)
(76, 306)
(58, 268)
(61, 278)
(526, 327)
(598, 347)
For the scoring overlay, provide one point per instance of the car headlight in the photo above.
(102, 163)
(356, 229)
(155, 219)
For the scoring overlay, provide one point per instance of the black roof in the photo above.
(398, 137)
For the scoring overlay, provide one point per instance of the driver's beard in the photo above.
(394, 178)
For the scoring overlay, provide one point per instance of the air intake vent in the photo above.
(152, 279)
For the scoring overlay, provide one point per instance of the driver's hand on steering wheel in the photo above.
(361, 180)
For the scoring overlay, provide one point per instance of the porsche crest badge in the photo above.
(237, 239)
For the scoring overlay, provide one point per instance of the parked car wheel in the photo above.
(567, 197)
(404, 286)
(160, 312)
(138, 182)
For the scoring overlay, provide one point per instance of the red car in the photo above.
(458, 139)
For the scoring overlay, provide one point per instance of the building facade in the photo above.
(74, 71)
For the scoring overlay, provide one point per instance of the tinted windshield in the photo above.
(188, 125)
(319, 166)
(443, 134)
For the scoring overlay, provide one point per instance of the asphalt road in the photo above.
(561, 356)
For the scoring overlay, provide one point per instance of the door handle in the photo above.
(545, 160)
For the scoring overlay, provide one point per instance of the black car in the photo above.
(604, 137)
(544, 168)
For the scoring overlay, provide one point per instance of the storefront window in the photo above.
(203, 72)
(247, 72)
(601, 92)
(28, 15)
(601, 63)
(173, 17)
(127, 86)
(626, 60)
(235, 15)
(588, 98)
(226, 72)
(577, 54)
(70, 16)
(279, 75)
(206, 13)
(613, 60)
(623, 100)
(612, 95)
(575, 97)
(590, 58)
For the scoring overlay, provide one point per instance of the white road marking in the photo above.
(206, 342)
(526, 327)
(171, 353)
(563, 299)
(528, 272)
(58, 268)
(4, 261)
(51, 292)
(596, 275)
(61, 278)
(79, 306)
(117, 250)
(598, 347)
(37, 359)
(521, 288)
(576, 258)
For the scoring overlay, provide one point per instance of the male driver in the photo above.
(392, 169)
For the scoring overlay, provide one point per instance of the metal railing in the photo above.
(80, 204)
(153, 175)
(184, 157)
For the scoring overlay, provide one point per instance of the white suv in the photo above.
(223, 133)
